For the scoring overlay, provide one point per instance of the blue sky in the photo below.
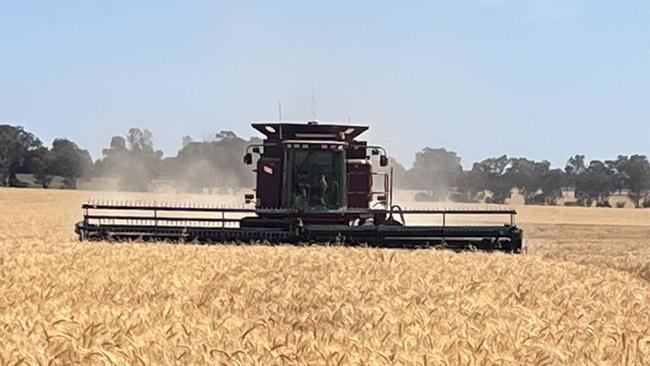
(543, 79)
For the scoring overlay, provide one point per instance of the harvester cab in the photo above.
(314, 184)
(316, 171)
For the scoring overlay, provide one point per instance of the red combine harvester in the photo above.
(314, 185)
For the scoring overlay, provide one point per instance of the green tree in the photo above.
(552, 182)
(596, 183)
(574, 167)
(66, 159)
(636, 175)
(436, 171)
(489, 175)
(16, 148)
(39, 166)
(535, 180)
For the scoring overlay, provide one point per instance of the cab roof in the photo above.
(280, 131)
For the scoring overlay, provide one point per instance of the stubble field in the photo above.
(580, 296)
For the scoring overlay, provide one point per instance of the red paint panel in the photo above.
(359, 184)
(269, 182)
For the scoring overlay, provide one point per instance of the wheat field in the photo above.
(580, 296)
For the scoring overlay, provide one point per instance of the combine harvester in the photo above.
(314, 185)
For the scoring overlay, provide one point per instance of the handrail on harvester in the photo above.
(164, 207)
(444, 212)
(172, 207)
(214, 208)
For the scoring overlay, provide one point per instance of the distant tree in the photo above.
(211, 164)
(66, 159)
(535, 180)
(600, 179)
(551, 184)
(140, 140)
(525, 175)
(132, 159)
(636, 177)
(574, 167)
(226, 135)
(617, 166)
(596, 183)
(436, 171)
(489, 175)
(118, 143)
(16, 149)
(470, 187)
(39, 162)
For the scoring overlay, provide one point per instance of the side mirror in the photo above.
(383, 160)
(248, 159)
(249, 197)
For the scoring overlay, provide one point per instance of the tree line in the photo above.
(133, 162)
(439, 174)
(198, 165)
(23, 153)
